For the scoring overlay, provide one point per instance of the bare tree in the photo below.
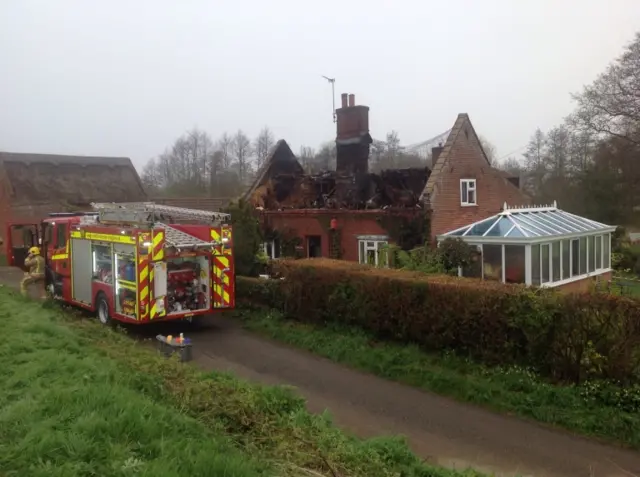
(241, 147)
(224, 145)
(326, 157)
(151, 177)
(610, 106)
(215, 166)
(377, 154)
(199, 148)
(262, 145)
(557, 156)
(488, 148)
(393, 150)
(512, 166)
(307, 157)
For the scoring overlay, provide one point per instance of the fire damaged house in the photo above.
(351, 213)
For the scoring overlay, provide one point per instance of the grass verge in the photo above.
(79, 399)
(595, 408)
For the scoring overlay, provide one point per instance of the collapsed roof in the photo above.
(282, 184)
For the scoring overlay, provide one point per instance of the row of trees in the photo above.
(196, 165)
(590, 163)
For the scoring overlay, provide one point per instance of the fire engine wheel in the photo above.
(102, 310)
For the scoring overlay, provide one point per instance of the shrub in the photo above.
(451, 254)
(566, 336)
(246, 239)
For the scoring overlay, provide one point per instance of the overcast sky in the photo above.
(125, 78)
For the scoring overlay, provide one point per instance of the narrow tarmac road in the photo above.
(439, 429)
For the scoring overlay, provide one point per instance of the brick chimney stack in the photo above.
(353, 139)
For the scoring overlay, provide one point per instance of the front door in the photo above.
(20, 238)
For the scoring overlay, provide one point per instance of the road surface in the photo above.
(439, 429)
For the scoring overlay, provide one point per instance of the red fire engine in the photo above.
(134, 262)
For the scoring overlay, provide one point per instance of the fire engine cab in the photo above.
(134, 262)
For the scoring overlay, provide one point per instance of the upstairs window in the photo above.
(468, 194)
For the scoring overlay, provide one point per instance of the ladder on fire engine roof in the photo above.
(150, 213)
(180, 239)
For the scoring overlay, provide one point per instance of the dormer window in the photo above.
(468, 194)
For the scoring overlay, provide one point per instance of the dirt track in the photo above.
(440, 430)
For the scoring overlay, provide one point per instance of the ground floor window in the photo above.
(570, 258)
(271, 249)
(546, 263)
(372, 250)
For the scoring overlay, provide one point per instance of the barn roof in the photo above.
(75, 181)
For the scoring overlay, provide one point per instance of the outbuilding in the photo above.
(538, 246)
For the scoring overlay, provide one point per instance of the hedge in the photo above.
(569, 337)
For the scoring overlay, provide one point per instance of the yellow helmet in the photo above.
(34, 251)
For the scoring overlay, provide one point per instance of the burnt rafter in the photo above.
(396, 188)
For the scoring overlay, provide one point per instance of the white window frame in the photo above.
(373, 243)
(599, 270)
(272, 244)
(471, 186)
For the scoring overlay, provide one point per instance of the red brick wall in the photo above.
(585, 284)
(313, 222)
(352, 121)
(465, 161)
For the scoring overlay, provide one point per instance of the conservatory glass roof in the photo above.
(531, 222)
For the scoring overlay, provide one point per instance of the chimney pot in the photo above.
(352, 100)
(344, 99)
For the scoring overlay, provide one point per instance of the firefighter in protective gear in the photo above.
(35, 263)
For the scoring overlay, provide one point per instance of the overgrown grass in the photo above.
(79, 399)
(595, 408)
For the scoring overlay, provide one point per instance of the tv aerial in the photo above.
(333, 94)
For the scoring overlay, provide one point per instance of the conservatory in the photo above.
(536, 245)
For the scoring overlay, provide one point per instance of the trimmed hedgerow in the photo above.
(568, 337)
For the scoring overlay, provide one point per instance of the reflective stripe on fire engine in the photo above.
(220, 293)
(158, 246)
(215, 236)
(143, 286)
(155, 313)
(103, 237)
